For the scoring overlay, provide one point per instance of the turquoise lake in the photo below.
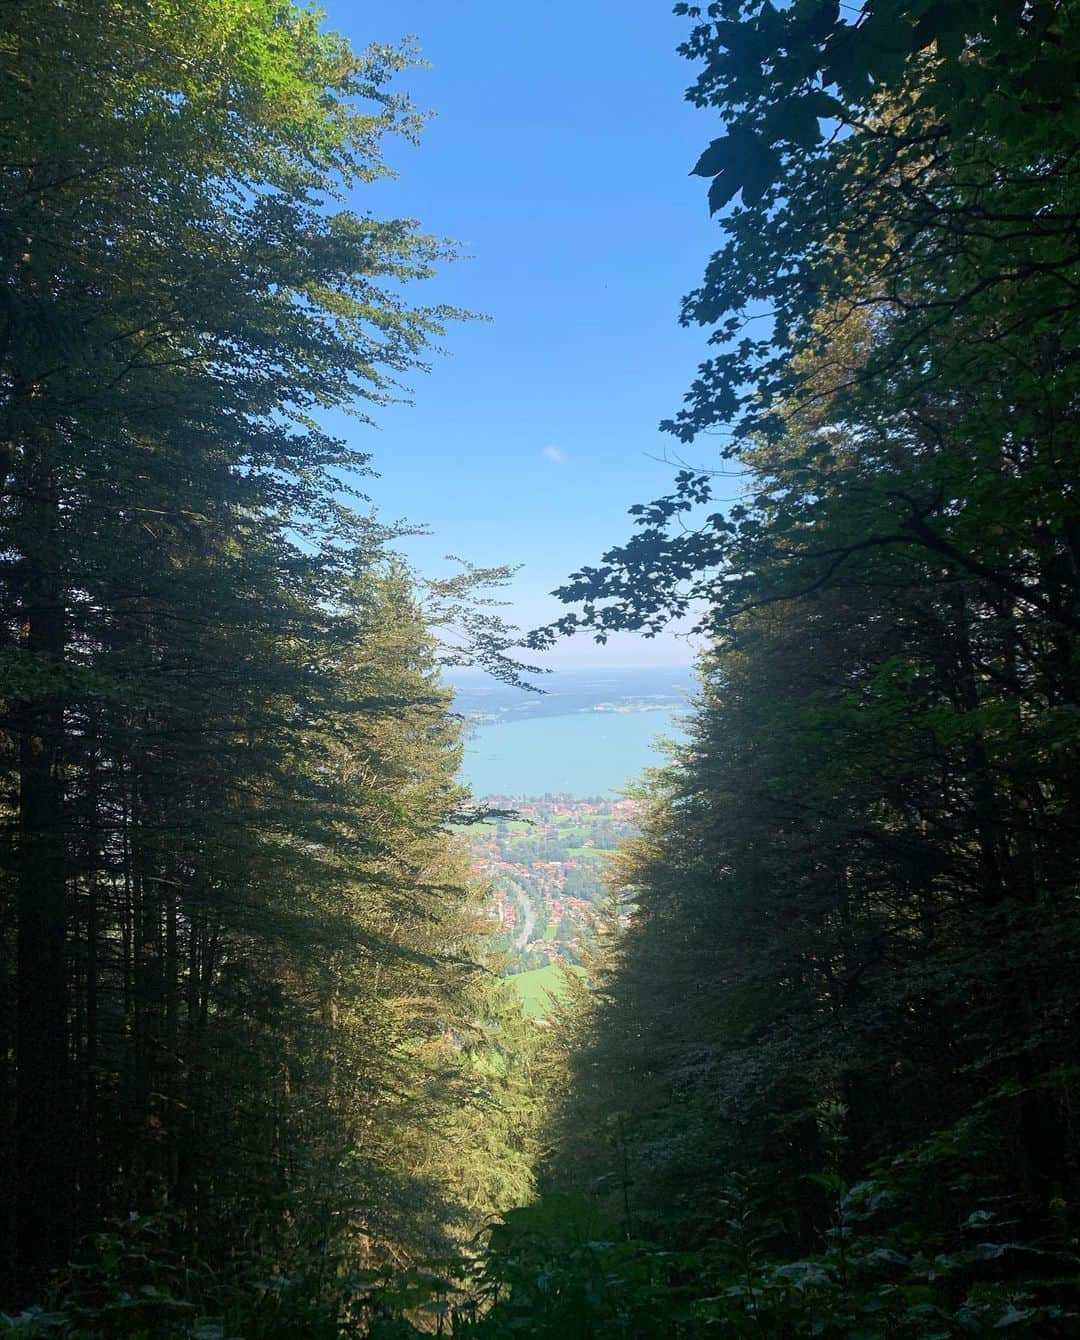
(581, 754)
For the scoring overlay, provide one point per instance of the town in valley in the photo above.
(547, 866)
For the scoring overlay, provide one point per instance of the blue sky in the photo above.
(558, 156)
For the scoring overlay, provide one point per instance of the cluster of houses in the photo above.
(560, 916)
(553, 906)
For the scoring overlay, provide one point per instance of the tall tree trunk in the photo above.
(44, 1181)
(90, 1134)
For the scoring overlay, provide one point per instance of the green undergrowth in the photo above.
(564, 1269)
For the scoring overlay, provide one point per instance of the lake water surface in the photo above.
(582, 754)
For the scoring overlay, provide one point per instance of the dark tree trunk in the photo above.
(44, 1181)
(90, 1116)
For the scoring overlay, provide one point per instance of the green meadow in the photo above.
(539, 986)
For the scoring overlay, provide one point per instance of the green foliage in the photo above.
(133, 1284)
(893, 333)
(849, 979)
(239, 951)
(559, 1268)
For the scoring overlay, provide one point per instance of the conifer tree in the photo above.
(235, 937)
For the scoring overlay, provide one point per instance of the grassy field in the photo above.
(485, 830)
(571, 832)
(585, 853)
(537, 987)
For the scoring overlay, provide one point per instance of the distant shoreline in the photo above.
(507, 718)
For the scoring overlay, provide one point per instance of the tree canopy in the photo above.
(237, 937)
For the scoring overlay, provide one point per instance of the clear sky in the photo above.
(559, 156)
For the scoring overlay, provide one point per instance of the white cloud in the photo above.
(554, 454)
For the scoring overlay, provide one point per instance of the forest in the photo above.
(261, 1072)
